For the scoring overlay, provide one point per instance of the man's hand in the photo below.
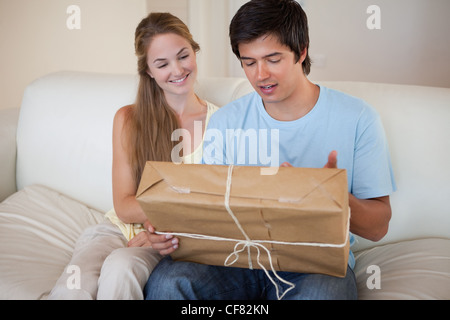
(370, 217)
(332, 160)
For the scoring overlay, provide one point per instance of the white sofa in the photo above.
(59, 180)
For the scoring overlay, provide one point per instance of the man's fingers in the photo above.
(332, 160)
(286, 165)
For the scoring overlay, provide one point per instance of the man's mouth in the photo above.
(180, 80)
(268, 87)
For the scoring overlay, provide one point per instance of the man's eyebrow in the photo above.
(265, 57)
(164, 59)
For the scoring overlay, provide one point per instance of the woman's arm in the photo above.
(124, 188)
(124, 192)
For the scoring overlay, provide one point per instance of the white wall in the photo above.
(35, 40)
(411, 47)
(179, 8)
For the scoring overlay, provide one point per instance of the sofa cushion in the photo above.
(38, 234)
(415, 269)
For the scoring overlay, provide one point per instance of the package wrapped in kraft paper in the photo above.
(295, 219)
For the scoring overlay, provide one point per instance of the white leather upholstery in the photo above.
(64, 134)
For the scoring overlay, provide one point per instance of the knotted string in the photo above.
(257, 244)
(249, 244)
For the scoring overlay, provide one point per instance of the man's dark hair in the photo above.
(284, 19)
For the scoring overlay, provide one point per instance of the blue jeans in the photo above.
(172, 280)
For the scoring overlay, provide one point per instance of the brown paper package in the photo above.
(295, 205)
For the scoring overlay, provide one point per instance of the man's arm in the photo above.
(370, 217)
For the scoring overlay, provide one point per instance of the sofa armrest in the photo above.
(8, 127)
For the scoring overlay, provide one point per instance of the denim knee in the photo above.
(165, 281)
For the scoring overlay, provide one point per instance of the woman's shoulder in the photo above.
(124, 111)
(120, 120)
(122, 114)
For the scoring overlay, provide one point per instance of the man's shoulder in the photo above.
(347, 103)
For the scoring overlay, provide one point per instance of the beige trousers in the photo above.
(104, 268)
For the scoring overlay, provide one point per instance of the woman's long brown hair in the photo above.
(150, 123)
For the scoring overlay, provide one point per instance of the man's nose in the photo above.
(263, 73)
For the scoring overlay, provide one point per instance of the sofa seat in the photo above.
(37, 238)
(409, 270)
(52, 222)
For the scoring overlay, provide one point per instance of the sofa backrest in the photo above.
(65, 128)
(64, 134)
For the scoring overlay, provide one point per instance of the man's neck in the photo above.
(297, 105)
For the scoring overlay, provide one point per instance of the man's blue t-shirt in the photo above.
(243, 133)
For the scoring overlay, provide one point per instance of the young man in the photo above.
(312, 124)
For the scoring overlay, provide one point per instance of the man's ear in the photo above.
(303, 55)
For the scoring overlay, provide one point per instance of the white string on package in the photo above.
(242, 245)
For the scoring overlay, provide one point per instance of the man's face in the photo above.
(271, 69)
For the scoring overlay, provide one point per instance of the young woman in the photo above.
(115, 258)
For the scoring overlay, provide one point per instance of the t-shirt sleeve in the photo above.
(372, 172)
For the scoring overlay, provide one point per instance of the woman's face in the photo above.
(172, 63)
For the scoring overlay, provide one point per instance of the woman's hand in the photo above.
(164, 244)
(142, 239)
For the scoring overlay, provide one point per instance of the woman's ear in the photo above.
(149, 73)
